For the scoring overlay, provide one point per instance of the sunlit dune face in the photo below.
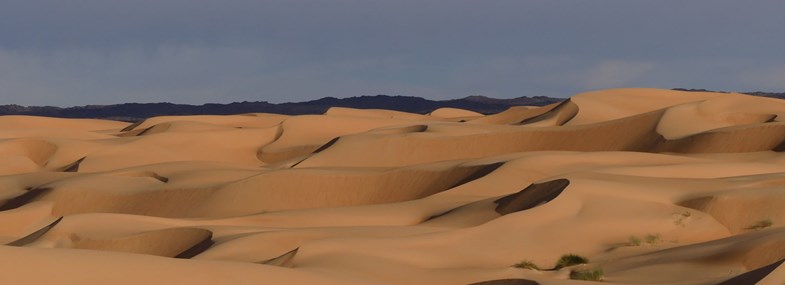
(627, 186)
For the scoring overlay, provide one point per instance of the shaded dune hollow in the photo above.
(507, 282)
(622, 186)
(532, 196)
(35, 235)
(282, 260)
(29, 195)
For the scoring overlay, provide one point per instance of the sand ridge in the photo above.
(650, 185)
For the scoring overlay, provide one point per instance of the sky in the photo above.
(79, 52)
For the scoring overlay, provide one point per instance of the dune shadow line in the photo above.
(507, 282)
(23, 199)
(198, 248)
(753, 276)
(281, 260)
(74, 167)
(35, 235)
(477, 174)
(531, 196)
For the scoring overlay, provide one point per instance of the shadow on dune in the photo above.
(327, 145)
(35, 235)
(23, 199)
(479, 173)
(780, 147)
(73, 167)
(754, 276)
(561, 113)
(146, 130)
(507, 282)
(400, 130)
(198, 248)
(318, 150)
(530, 197)
(149, 174)
(133, 126)
(282, 260)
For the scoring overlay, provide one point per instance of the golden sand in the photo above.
(650, 186)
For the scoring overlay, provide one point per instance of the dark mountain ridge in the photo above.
(138, 111)
(780, 95)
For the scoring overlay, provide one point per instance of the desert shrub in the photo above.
(526, 264)
(761, 225)
(634, 241)
(682, 217)
(588, 275)
(649, 238)
(570, 260)
(652, 238)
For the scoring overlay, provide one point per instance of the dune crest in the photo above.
(630, 186)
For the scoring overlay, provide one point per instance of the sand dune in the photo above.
(651, 186)
(454, 113)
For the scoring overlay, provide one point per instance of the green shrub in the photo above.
(526, 264)
(570, 260)
(588, 275)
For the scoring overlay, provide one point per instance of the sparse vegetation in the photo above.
(588, 275)
(570, 260)
(634, 241)
(761, 225)
(652, 238)
(681, 217)
(526, 264)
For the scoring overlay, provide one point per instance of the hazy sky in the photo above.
(76, 52)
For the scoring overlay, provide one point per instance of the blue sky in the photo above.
(77, 52)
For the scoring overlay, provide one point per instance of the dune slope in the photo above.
(648, 186)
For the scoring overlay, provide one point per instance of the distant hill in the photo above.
(755, 93)
(138, 111)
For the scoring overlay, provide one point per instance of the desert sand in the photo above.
(650, 186)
